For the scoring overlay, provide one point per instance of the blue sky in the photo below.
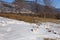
(56, 3)
(8, 0)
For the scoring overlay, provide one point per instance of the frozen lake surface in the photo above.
(19, 30)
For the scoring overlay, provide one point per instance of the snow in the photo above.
(19, 30)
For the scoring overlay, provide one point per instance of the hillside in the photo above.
(28, 8)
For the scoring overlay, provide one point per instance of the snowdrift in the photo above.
(19, 30)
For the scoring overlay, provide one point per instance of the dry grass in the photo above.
(48, 39)
(26, 17)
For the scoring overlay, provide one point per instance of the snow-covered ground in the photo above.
(19, 30)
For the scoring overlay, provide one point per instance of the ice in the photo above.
(19, 30)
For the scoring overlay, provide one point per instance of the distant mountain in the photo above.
(19, 8)
(4, 6)
(58, 9)
(12, 7)
(29, 7)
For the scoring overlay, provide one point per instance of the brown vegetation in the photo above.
(26, 17)
(48, 39)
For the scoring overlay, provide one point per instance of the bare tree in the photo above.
(48, 2)
(19, 0)
(20, 3)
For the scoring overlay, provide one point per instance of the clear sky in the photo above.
(8, 0)
(56, 3)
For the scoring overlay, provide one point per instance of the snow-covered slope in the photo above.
(19, 30)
